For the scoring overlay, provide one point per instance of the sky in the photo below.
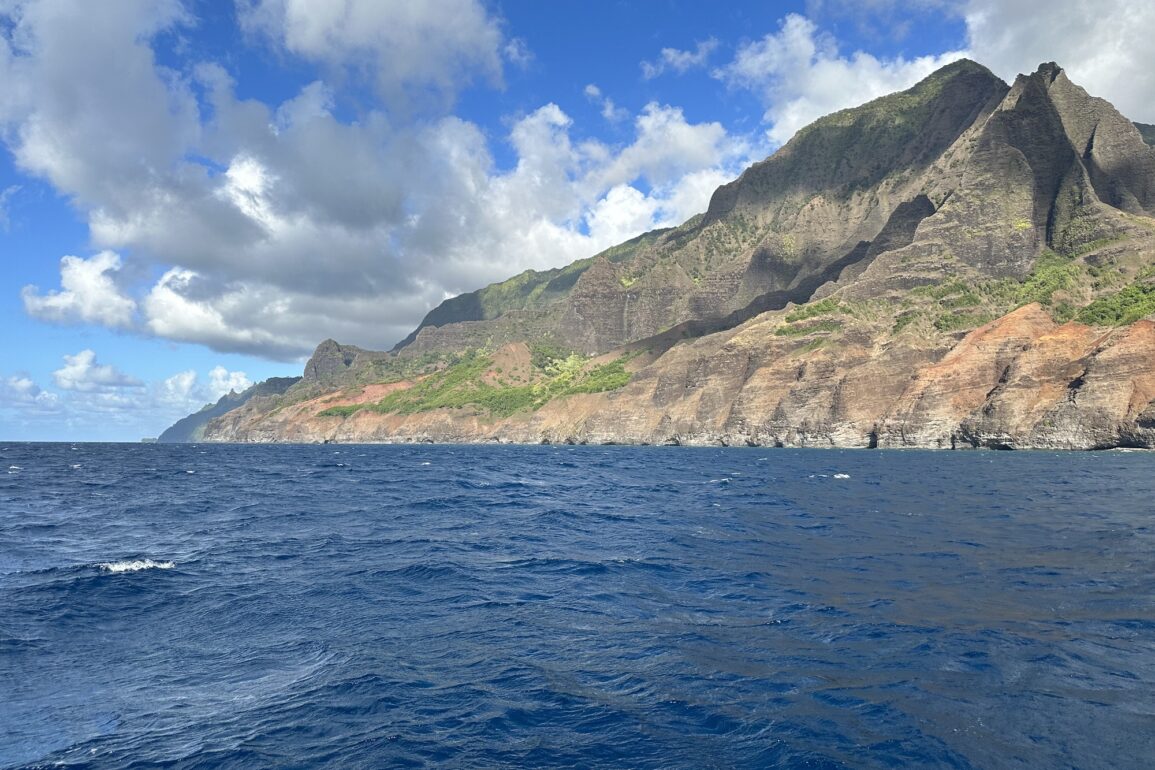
(195, 193)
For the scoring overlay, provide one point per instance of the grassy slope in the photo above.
(1096, 288)
(471, 380)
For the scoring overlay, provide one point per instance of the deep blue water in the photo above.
(374, 606)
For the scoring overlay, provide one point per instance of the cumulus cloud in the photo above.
(679, 61)
(550, 209)
(82, 373)
(90, 109)
(89, 294)
(21, 392)
(222, 381)
(409, 48)
(272, 225)
(667, 147)
(177, 390)
(1104, 46)
(185, 389)
(800, 75)
(98, 400)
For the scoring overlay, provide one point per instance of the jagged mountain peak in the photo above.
(1047, 72)
(858, 146)
(784, 227)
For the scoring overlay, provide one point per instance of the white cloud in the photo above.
(801, 76)
(89, 108)
(82, 373)
(299, 224)
(679, 61)
(610, 111)
(308, 263)
(222, 381)
(667, 147)
(1104, 46)
(409, 47)
(177, 390)
(5, 200)
(185, 306)
(555, 205)
(98, 401)
(517, 52)
(19, 391)
(88, 294)
(273, 225)
(186, 392)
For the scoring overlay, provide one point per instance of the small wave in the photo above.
(134, 565)
(841, 475)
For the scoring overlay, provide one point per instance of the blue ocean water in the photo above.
(429, 606)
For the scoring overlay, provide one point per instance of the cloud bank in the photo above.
(92, 398)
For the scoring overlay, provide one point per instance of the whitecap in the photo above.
(841, 475)
(135, 565)
(14, 468)
(190, 471)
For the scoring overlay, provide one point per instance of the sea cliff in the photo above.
(968, 263)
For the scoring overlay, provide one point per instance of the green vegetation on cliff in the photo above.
(899, 129)
(525, 291)
(1107, 294)
(1123, 307)
(472, 380)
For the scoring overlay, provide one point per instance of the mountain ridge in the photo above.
(191, 429)
(938, 224)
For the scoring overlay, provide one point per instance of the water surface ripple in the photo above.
(374, 606)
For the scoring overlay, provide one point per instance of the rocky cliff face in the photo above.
(787, 225)
(192, 428)
(965, 264)
(1021, 381)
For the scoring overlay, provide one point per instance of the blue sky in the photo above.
(194, 193)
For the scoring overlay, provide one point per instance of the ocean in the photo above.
(185, 606)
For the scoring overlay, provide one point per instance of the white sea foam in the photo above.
(841, 475)
(135, 565)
